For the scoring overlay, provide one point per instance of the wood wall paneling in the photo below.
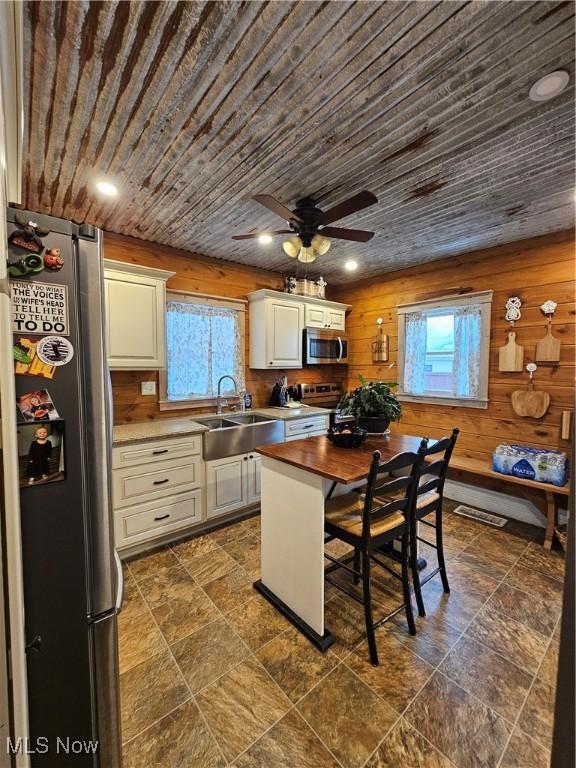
(535, 270)
(197, 274)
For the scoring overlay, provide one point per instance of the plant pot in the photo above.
(374, 424)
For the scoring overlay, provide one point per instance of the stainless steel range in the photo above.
(324, 395)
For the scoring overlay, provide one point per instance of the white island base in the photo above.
(292, 523)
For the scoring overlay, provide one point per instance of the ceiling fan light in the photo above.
(292, 247)
(321, 244)
(306, 255)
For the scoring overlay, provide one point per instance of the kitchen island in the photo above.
(295, 480)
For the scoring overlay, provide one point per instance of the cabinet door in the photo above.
(315, 316)
(226, 485)
(135, 309)
(254, 460)
(284, 325)
(336, 319)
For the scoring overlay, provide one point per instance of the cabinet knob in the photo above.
(245, 458)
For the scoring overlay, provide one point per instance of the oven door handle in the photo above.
(341, 352)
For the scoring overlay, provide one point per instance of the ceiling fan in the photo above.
(310, 227)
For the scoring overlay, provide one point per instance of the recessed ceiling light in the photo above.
(265, 239)
(351, 265)
(106, 188)
(549, 86)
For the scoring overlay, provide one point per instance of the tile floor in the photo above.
(211, 675)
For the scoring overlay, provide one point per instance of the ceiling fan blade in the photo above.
(257, 234)
(280, 210)
(353, 204)
(340, 233)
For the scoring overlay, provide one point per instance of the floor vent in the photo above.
(478, 514)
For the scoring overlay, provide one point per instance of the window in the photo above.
(204, 341)
(443, 350)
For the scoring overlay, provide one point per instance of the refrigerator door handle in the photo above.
(98, 419)
(119, 582)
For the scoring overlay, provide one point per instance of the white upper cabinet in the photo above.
(135, 316)
(276, 327)
(319, 316)
(284, 326)
(277, 321)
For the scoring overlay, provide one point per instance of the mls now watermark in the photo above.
(42, 746)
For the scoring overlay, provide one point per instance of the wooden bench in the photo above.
(545, 496)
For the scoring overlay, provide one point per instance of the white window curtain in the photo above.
(467, 351)
(414, 352)
(203, 343)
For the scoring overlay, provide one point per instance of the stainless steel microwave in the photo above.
(322, 346)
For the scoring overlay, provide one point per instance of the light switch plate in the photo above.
(148, 387)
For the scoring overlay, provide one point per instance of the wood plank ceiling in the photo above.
(194, 106)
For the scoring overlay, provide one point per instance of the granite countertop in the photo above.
(154, 430)
(141, 431)
(286, 414)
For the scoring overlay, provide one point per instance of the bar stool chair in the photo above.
(367, 520)
(429, 498)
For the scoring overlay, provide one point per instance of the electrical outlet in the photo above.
(148, 387)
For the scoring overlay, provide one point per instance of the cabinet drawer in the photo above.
(320, 433)
(155, 451)
(132, 485)
(302, 427)
(147, 521)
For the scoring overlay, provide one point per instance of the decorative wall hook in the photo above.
(549, 307)
(513, 309)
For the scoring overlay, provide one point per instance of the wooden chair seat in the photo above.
(423, 499)
(345, 512)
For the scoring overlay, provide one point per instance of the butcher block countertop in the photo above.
(343, 465)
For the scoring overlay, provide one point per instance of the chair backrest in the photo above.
(437, 469)
(383, 484)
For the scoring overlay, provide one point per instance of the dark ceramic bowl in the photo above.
(349, 439)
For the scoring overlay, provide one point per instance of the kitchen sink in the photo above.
(238, 433)
(215, 422)
(249, 418)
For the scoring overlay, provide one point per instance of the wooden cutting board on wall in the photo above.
(511, 355)
(548, 348)
(530, 402)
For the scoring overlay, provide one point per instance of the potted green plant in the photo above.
(373, 403)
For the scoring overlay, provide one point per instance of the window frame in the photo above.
(484, 299)
(203, 299)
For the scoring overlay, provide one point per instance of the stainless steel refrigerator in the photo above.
(72, 574)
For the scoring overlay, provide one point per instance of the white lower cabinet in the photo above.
(157, 489)
(232, 483)
(254, 462)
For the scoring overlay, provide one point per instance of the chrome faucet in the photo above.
(219, 398)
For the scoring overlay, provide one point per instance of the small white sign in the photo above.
(39, 308)
(55, 350)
